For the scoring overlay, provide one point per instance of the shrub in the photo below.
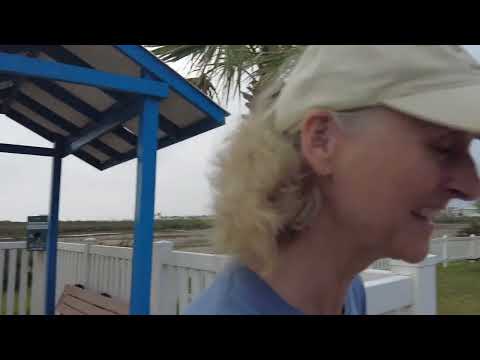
(473, 228)
(448, 219)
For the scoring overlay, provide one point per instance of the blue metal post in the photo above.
(51, 264)
(144, 212)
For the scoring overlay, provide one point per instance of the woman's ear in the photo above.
(319, 136)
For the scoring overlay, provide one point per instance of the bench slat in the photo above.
(92, 303)
(85, 307)
(63, 309)
(112, 304)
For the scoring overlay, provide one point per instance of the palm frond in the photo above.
(229, 67)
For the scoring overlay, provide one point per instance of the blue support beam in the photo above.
(51, 264)
(4, 94)
(62, 54)
(60, 122)
(174, 81)
(168, 127)
(32, 126)
(18, 82)
(5, 78)
(144, 212)
(82, 107)
(111, 119)
(26, 150)
(13, 92)
(177, 135)
(50, 136)
(16, 49)
(24, 66)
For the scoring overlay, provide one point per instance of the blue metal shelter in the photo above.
(105, 104)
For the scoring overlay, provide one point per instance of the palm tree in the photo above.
(230, 68)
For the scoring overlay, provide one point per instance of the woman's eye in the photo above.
(443, 150)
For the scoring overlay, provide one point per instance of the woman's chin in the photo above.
(414, 258)
(412, 253)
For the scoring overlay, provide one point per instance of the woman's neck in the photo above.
(314, 272)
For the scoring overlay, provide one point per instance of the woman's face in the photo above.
(391, 177)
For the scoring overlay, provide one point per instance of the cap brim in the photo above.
(457, 108)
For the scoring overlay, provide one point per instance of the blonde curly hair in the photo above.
(264, 191)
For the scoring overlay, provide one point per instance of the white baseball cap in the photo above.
(436, 83)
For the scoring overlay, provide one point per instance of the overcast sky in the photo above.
(86, 193)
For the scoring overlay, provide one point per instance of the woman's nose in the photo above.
(465, 183)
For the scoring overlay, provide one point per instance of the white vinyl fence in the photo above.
(456, 248)
(178, 277)
(15, 276)
(382, 264)
(447, 249)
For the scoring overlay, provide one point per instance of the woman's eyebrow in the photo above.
(448, 133)
(443, 131)
(435, 129)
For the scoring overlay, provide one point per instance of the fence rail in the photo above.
(456, 248)
(178, 277)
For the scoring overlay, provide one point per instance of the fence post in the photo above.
(38, 284)
(477, 247)
(471, 247)
(424, 276)
(86, 260)
(445, 250)
(163, 299)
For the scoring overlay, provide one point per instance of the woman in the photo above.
(343, 163)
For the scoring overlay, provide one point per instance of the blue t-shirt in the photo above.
(240, 291)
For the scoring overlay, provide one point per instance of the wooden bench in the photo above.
(76, 300)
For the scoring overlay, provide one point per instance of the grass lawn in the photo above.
(459, 288)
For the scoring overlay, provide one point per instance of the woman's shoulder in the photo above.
(218, 299)
(357, 284)
(357, 299)
(215, 301)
